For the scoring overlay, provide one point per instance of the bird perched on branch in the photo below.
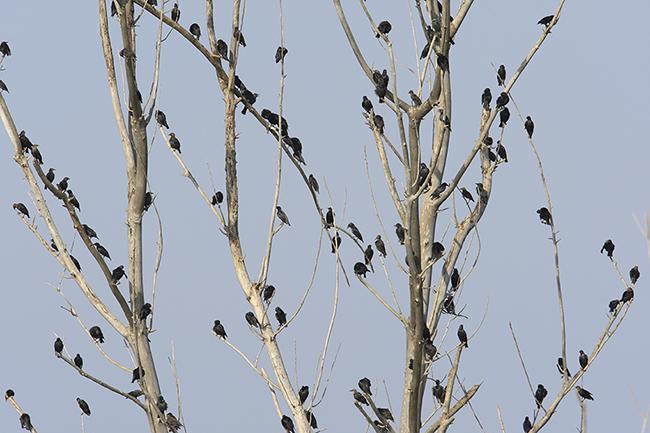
(586, 395)
(365, 385)
(174, 142)
(222, 50)
(529, 125)
(545, 216)
(172, 422)
(249, 97)
(267, 293)
(4, 48)
(486, 98)
(26, 422)
(329, 218)
(161, 404)
(89, 231)
(252, 320)
(280, 54)
(462, 335)
(627, 295)
(358, 397)
(384, 28)
(634, 274)
(560, 367)
(287, 424)
(58, 346)
(455, 279)
(303, 393)
(415, 98)
(583, 359)
(439, 392)
(96, 333)
(281, 316)
(437, 250)
(76, 262)
(217, 198)
(336, 242)
(25, 142)
(137, 374)
(21, 208)
(466, 194)
(360, 269)
(501, 75)
(540, 395)
(79, 362)
(379, 123)
(73, 200)
(63, 184)
(117, 274)
(502, 100)
(400, 231)
(613, 305)
(379, 244)
(195, 30)
(368, 253)
(546, 21)
(36, 154)
(3, 87)
(609, 247)
(145, 311)
(219, 330)
(176, 13)
(282, 216)
(161, 119)
(239, 36)
(102, 251)
(366, 104)
(527, 425)
(355, 231)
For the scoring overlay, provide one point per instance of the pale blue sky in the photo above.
(586, 90)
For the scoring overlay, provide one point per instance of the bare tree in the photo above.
(414, 172)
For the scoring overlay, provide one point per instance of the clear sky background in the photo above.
(586, 90)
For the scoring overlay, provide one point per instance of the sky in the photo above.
(586, 90)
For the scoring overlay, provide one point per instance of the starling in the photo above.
(172, 422)
(385, 413)
(79, 362)
(53, 245)
(25, 142)
(367, 254)
(466, 194)
(239, 83)
(540, 394)
(3, 87)
(280, 53)
(76, 262)
(504, 116)
(546, 21)
(503, 100)
(384, 28)
(176, 13)
(161, 118)
(462, 335)
(63, 184)
(36, 154)
(360, 269)
(303, 393)
(287, 423)
(627, 295)
(448, 305)
(281, 316)
(219, 330)
(312, 419)
(174, 143)
(560, 367)
(58, 346)
(161, 404)
(252, 320)
(117, 274)
(486, 98)
(379, 123)
(96, 333)
(527, 425)
(415, 98)
(222, 50)
(153, 2)
(425, 50)
(137, 374)
(21, 208)
(195, 30)
(364, 385)
(429, 350)
(488, 141)
(437, 250)
(545, 216)
(613, 305)
(240, 37)
(439, 190)
(529, 125)
(136, 393)
(9, 394)
(145, 311)
(379, 244)
(439, 392)
(4, 49)
(501, 75)
(443, 62)
(102, 251)
(400, 232)
(455, 278)
(355, 231)
(366, 104)
(89, 231)
(329, 218)
(634, 274)
(501, 151)
(482, 193)
(50, 175)
(492, 156)
(148, 201)
(583, 359)
(608, 246)
(25, 420)
(586, 395)
(359, 397)
(423, 174)
(381, 92)
(249, 97)
(282, 216)
(336, 242)
(268, 293)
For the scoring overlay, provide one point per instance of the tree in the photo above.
(416, 180)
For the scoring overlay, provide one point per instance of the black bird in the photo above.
(222, 49)
(486, 98)
(176, 13)
(195, 30)
(219, 330)
(117, 274)
(540, 394)
(252, 320)
(488, 141)
(379, 123)
(312, 419)
(503, 100)
(492, 156)
(21, 208)
(441, 188)
(429, 350)
(366, 104)
(583, 359)
(415, 98)
(560, 367)
(139, 96)
(239, 83)
(608, 246)
(3, 87)
(384, 28)
(89, 231)
(425, 50)
(439, 392)
(280, 53)
(501, 151)
(36, 154)
(281, 316)
(25, 420)
(58, 346)
(161, 404)
(462, 335)
(501, 75)
(355, 231)
(360, 269)
(466, 194)
(504, 116)
(364, 385)
(172, 422)
(455, 278)
(381, 79)
(102, 251)
(437, 250)
(249, 97)
(9, 394)
(137, 374)
(136, 393)
(287, 424)
(381, 92)
(627, 295)
(527, 425)
(96, 333)
(379, 244)
(161, 118)
(613, 305)
(217, 198)
(546, 21)
(634, 274)
(400, 232)
(443, 62)
(482, 193)
(145, 311)
(53, 245)
(545, 216)
(336, 242)
(50, 175)
(76, 262)
(4, 49)
(79, 362)
(303, 393)
(153, 2)
(148, 201)
(25, 142)
(174, 143)
(268, 293)
(423, 174)
(329, 218)
(282, 216)
(367, 254)
(63, 184)
(240, 37)
(586, 395)
(529, 125)
(385, 413)
(359, 397)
